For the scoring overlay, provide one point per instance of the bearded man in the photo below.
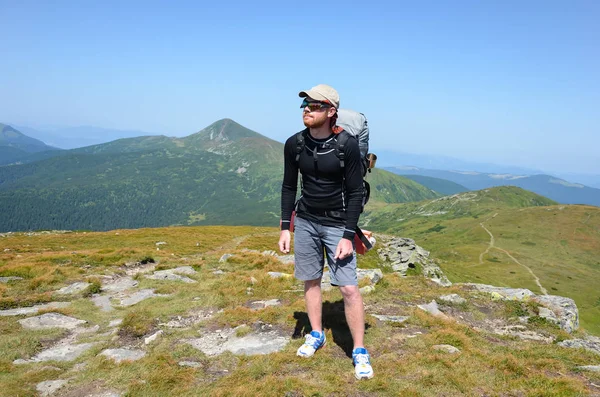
(326, 218)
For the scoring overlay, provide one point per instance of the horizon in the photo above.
(508, 83)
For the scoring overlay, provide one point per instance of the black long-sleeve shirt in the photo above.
(326, 186)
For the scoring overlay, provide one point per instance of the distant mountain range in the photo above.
(546, 185)
(224, 174)
(75, 137)
(15, 146)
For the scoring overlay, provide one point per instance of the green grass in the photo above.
(404, 365)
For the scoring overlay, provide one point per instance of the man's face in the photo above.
(315, 114)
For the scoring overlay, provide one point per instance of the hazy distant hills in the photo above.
(545, 185)
(442, 186)
(224, 174)
(75, 137)
(15, 146)
(506, 236)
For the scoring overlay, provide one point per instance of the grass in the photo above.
(404, 360)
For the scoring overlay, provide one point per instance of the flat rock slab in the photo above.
(500, 293)
(264, 304)
(263, 342)
(33, 309)
(119, 285)
(10, 278)
(169, 276)
(591, 343)
(592, 368)
(74, 288)
(120, 355)
(279, 275)
(103, 302)
(453, 298)
(432, 308)
(393, 319)
(138, 296)
(51, 320)
(50, 387)
(446, 348)
(59, 353)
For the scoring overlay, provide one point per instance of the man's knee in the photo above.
(350, 292)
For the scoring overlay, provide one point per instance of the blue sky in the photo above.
(510, 82)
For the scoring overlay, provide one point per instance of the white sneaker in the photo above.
(314, 341)
(362, 364)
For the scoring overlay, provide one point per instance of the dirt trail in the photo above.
(492, 245)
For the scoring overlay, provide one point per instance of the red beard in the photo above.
(314, 122)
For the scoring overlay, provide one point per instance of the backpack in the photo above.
(356, 126)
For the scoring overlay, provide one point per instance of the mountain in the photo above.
(15, 146)
(387, 158)
(546, 185)
(223, 174)
(75, 137)
(509, 237)
(442, 186)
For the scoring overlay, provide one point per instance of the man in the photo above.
(326, 217)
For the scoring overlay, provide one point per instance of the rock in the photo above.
(548, 315)
(286, 259)
(49, 387)
(225, 257)
(10, 278)
(521, 332)
(138, 296)
(501, 293)
(374, 275)
(219, 272)
(119, 285)
(153, 337)
(563, 311)
(160, 243)
(264, 341)
(103, 302)
(453, 298)
(186, 322)
(446, 348)
(73, 288)
(393, 319)
(33, 309)
(169, 276)
(51, 320)
(592, 368)
(192, 364)
(58, 353)
(367, 289)
(432, 308)
(120, 355)
(115, 323)
(591, 343)
(263, 304)
(279, 275)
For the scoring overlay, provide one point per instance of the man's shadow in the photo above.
(334, 318)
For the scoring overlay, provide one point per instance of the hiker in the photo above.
(326, 217)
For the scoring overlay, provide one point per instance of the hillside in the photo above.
(508, 237)
(15, 146)
(223, 174)
(186, 311)
(546, 185)
(442, 186)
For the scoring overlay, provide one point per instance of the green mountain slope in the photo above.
(536, 244)
(15, 146)
(224, 174)
(442, 186)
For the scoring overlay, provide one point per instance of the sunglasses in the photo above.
(314, 105)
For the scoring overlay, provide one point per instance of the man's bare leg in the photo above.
(355, 313)
(314, 303)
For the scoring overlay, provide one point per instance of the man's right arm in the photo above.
(290, 182)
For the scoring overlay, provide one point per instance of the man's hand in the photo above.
(284, 241)
(344, 249)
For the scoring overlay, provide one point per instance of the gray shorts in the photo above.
(312, 242)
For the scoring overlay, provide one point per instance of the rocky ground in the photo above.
(473, 305)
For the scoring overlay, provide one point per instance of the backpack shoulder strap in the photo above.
(341, 141)
(300, 142)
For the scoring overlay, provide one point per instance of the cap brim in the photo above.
(313, 95)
